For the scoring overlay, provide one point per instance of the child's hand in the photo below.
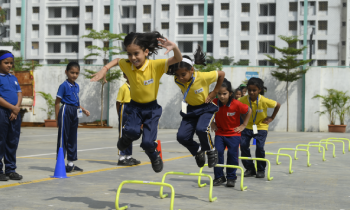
(16, 110)
(86, 112)
(239, 129)
(99, 75)
(268, 120)
(165, 43)
(13, 116)
(214, 127)
(210, 97)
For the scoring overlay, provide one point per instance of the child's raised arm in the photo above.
(275, 111)
(211, 96)
(169, 45)
(102, 73)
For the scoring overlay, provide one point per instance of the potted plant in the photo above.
(50, 102)
(336, 105)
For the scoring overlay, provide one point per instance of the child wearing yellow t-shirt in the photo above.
(257, 127)
(198, 111)
(123, 99)
(144, 76)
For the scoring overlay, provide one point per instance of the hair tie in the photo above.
(7, 55)
(186, 60)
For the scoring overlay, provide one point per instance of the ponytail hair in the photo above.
(199, 59)
(259, 83)
(144, 41)
(227, 84)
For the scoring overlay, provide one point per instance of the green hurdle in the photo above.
(326, 143)
(340, 141)
(295, 157)
(260, 159)
(308, 146)
(345, 139)
(144, 182)
(280, 154)
(223, 166)
(211, 199)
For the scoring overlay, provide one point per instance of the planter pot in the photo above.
(50, 123)
(337, 128)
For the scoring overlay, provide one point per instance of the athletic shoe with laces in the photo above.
(125, 162)
(212, 158)
(3, 177)
(157, 164)
(260, 174)
(249, 173)
(14, 176)
(200, 158)
(219, 181)
(134, 161)
(230, 183)
(73, 168)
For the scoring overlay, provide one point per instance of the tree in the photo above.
(25, 65)
(66, 61)
(50, 102)
(112, 75)
(2, 16)
(15, 45)
(104, 36)
(287, 66)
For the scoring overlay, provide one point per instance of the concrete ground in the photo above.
(324, 185)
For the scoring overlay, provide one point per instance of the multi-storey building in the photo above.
(243, 29)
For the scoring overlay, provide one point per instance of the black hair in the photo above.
(71, 65)
(145, 41)
(259, 83)
(3, 52)
(227, 84)
(238, 89)
(199, 59)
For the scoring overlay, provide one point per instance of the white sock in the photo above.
(70, 163)
(199, 149)
(212, 149)
(121, 157)
(128, 157)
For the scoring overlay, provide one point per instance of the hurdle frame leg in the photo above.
(295, 155)
(344, 139)
(281, 154)
(224, 166)
(326, 144)
(211, 199)
(260, 159)
(147, 183)
(308, 146)
(339, 141)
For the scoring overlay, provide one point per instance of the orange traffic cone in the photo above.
(159, 149)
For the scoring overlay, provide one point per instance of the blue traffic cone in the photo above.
(254, 142)
(60, 169)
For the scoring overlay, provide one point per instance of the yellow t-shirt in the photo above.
(264, 103)
(124, 94)
(144, 82)
(199, 90)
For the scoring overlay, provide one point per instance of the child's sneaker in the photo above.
(230, 183)
(14, 176)
(134, 161)
(157, 164)
(125, 162)
(200, 159)
(249, 173)
(212, 158)
(3, 177)
(73, 168)
(219, 181)
(260, 174)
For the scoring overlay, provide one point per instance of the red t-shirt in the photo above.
(228, 117)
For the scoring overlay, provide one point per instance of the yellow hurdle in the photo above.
(260, 159)
(345, 139)
(280, 154)
(308, 146)
(295, 156)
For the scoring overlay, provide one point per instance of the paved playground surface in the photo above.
(324, 185)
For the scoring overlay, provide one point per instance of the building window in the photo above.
(186, 10)
(18, 29)
(53, 61)
(209, 46)
(210, 28)
(343, 43)
(88, 26)
(224, 24)
(54, 30)
(244, 45)
(245, 7)
(223, 43)
(210, 9)
(293, 45)
(146, 27)
(54, 47)
(265, 47)
(293, 25)
(267, 28)
(343, 63)
(225, 6)
(322, 63)
(35, 27)
(245, 26)
(322, 44)
(36, 10)
(323, 6)
(265, 63)
(18, 11)
(55, 12)
(72, 12)
(88, 44)
(106, 44)
(89, 9)
(165, 7)
(107, 10)
(165, 25)
(344, 24)
(35, 45)
(106, 26)
(344, 4)
(267, 10)
(146, 9)
(72, 47)
(293, 6)
(322, 25)
(72, 30)
(88, 61)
